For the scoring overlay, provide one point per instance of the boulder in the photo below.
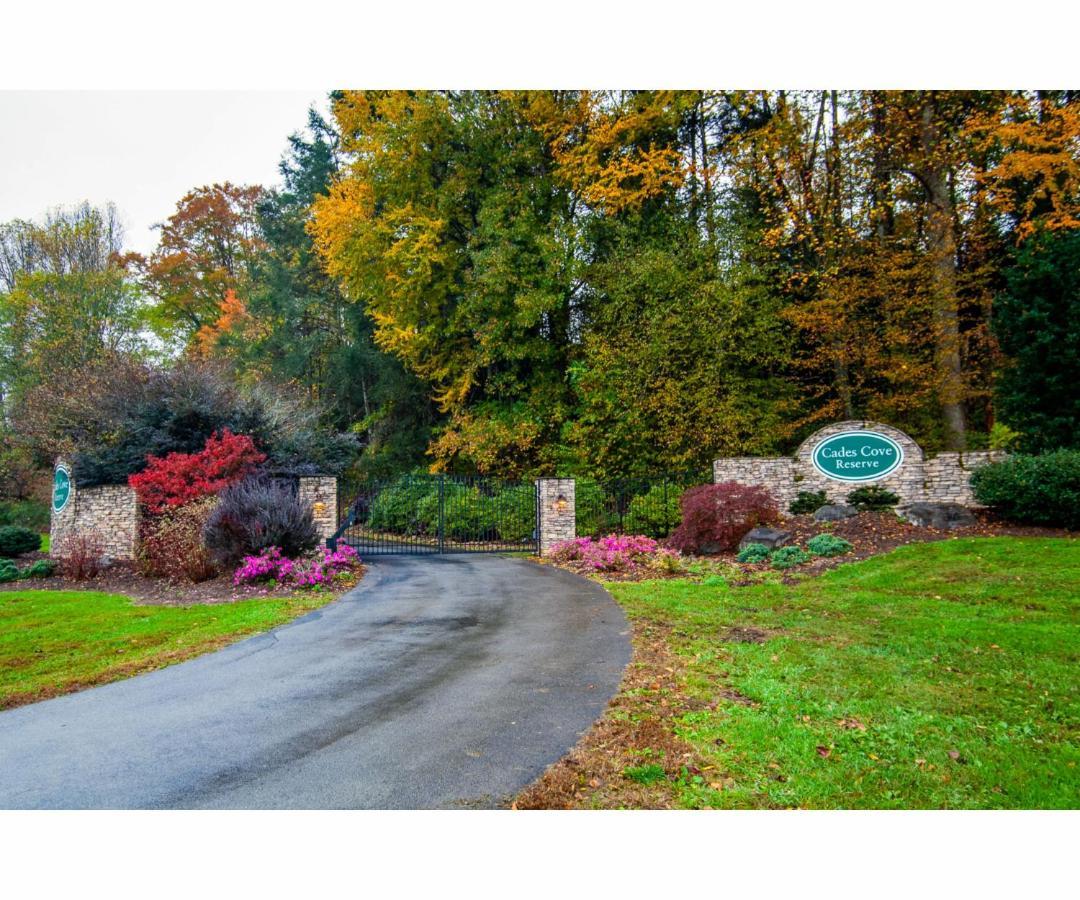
(770, 537)
(834, 512)
(943, 516)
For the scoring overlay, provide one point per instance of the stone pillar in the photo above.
(320, 493)
(556, 511)
(108, 515)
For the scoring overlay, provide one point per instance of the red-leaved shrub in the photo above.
(178, 478)
(716, 516)
(171, 544)
(80, 555)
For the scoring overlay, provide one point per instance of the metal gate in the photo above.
(438, 514)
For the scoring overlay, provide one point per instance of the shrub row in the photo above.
(870, 497)
(788, 557)
(40, 568)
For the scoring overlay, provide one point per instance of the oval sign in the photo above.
(857, 456)
(61, 491)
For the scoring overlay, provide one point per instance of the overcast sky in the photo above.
(141, 150)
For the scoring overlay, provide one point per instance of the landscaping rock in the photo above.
(834, 512)
(943, 516)
(770, 537)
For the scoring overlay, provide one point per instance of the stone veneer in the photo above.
(945, 477)
(320, 493)
(556, 524)
(110, 512)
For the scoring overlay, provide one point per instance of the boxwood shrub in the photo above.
(1036, 490)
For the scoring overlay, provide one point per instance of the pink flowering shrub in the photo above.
(629, 554)
(271, 567)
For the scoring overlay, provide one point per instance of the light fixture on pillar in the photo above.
(560, 504)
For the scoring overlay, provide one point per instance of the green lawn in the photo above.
(53, 642)
(940, 675)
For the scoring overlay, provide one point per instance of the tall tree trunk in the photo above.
(710, 211)
(880, 194)
(834, 200)
(941, 245)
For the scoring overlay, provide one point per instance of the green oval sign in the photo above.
(61, 491)
(857, 456)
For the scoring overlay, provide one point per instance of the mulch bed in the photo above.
(124, 579)
(873, 533)
(870, 534)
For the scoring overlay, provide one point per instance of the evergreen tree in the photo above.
(1037, 323)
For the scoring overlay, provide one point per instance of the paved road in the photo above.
(447, 681)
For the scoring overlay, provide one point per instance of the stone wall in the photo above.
(320, 493)
(775, 473)
(109, 512)
(557, 512)
(948, 475)
(941, 478)
(112, 513)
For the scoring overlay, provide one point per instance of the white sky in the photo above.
(143, 150)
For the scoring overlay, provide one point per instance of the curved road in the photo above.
(448, 681)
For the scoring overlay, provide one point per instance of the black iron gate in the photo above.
(438, 514)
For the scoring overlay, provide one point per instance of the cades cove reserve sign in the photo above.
(857, 456)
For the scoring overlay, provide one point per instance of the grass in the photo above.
(940, 675)
(55, 642)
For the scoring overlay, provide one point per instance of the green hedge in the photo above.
(1036, 490)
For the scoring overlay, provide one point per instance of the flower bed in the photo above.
(616, 554)
(318, 571)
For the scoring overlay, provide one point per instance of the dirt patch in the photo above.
(637, 730)
(739, 635)
(124, 579)
(735, 697)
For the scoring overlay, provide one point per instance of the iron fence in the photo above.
(648, 506)
(438, 514)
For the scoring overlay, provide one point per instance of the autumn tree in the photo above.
(297, 328)
(206, 248)
(449, 226)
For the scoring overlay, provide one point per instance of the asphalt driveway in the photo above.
(444, 681)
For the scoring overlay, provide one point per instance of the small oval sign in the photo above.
(61, 488)
(857, 456)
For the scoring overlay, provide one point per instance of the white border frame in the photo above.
(61, 467)
(861, 433)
